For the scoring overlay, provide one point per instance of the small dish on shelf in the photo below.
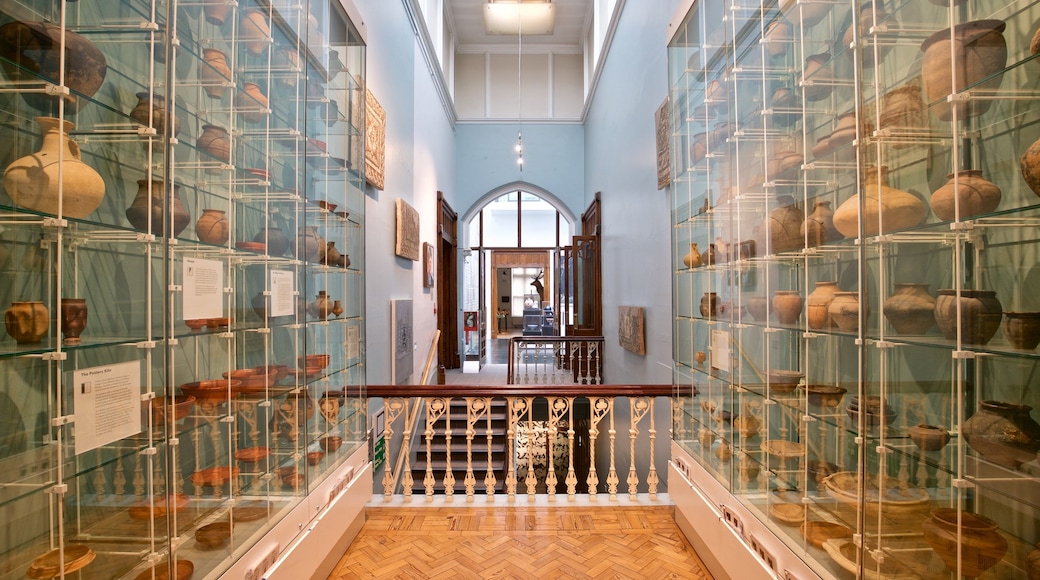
(824, 396)
(214, 476)
(846, 554)
(208, 391)
(818, 532)
(253, 454)
(315, 457)
(252, 510)
(258, 247)
(145, 509)
(181, 405)
(783, 381)
(75, 557)
(256, 377)
(161, 571)
(196, 324)
(313, 360)
(330, 443)
(215, 323)
(342, 214)
(213, 536)
(327, 205)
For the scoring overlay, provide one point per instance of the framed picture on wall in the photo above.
(428, 259)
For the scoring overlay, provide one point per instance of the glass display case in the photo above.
(855, 247)
(183, 229)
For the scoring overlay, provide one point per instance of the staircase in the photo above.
(499, 412)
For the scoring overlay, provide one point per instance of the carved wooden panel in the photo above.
(407, 231)
(630, 329)
(375, 142)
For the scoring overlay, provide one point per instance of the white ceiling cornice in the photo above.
(503, 49)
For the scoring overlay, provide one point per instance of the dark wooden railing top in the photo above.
(556, 339)
(519, 390)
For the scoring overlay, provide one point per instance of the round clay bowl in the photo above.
(294, 480)
(75, 556)
(929, 437)
(330, 443)
(253, 454)
(315, 457)
(279, 371)
(819, 470)
(218, 322)
(1022, 329)
(208, 390)
(213, 536)
(781, 381)
(819, 532)
(252, 378)
(144, 510)
(185, 568)
(181, 405)
(825, 396)
(252, 510)
(214, 476)
(196, 323)
(258, 247)
(313, 360)
(327, 205)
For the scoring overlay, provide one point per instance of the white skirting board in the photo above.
(732, 543)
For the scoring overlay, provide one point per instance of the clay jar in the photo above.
(844, 311)
(1003, 433)
(310, 247)
(903, 109)
(214, 140)
(332, 255)
(898, 209)
(709, 305)
(147, 209)
(32, 50)
(1033, 564)
(980, 315)
(1022, 329)
(976, 540)
(322, 306)
(151, 111)
(758, 307)
(816, 305)
(33, 181)
(337, 308)
(777, 37)
(971, 192)
(979, 51)
(212, 227)
(251, 104)
(254, 31)
(214, 77)
(27, 322)
(788, 306)
(929, 437)
(910, 309)
(73, 319)
(867, 20)
(698, 148)
(693, 258)
(216, 11)
(1029, 165)
(785, 226)
(818, 77)
(276, 240)
(808, 13)
(818, 227)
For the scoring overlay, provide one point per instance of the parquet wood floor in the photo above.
(520, 542)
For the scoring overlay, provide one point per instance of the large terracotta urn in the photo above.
(27, 322)
(785, 226)
(73, 319)
(787, 304)
(979, 53)
(972, 547)
(147, 208)
(254, 31)
(980, 314)
(213, 227)
(818, 227)
(215, 74)
(886, 209)
(817, 75)
(34, 50)
(215, 141)
(151, 110)
(1003, 433)
(971, 192)
(759, 308)
(1029, 165)
(310, 246)
(33, 181)
(693, 258)
(844, 311)
(216, 11)
(276, 240)
(251, 103)
(816, 304)
(903, 111)
(910, 309)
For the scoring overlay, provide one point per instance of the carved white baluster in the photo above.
(100, 484)
(572, 478)
(449, 477)
(600, 406)
(637, 410)
(517, 408)
(651, 478)
(473, 411)
(489, 477)
(531, 481)
(394, 408)
(557, 407)
(434, 410)
(612, 476)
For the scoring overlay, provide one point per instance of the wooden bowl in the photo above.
(327, 205)
(213, 536)
(253, 454)
(330, 443)
(185, 568)
(252, 510)
(214, 476)
(279, 371)
(294, 480)
(144, 510)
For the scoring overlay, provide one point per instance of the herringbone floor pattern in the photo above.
(517, 542)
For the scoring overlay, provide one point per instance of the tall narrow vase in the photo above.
(33, 181)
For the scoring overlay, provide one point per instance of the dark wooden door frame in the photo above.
(448, 284)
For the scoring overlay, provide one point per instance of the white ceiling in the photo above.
(572, 16)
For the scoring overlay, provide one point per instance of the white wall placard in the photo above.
(203, 288)
(283, 299)
(720, 355)
(107, 404)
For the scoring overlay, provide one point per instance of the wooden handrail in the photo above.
(662, 390)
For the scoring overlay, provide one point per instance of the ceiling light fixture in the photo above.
(534, 18)
(520, 95)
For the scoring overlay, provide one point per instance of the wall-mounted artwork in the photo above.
(375, 141)
(630, 329)
(664, 168)
(401, 314)
(428, 259)
(407, 231)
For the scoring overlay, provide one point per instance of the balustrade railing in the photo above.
(555, 360)
(483, 440)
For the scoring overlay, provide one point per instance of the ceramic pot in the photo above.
(254, 31)
(788, 306)
(33, 181)
(276, 240)
(337, 308)
(216, 75)
(816, 304)
(898, 209)
(807, 13)
(259, 304)
(700, 356)
(1022, 329)
(777, 36)
(758, 307)
(344, 261)
(310, 247)
(785, 226)
(929, 437)
(980, 315)
(818, 227)
(151, 111)
(972, 547)
(844, 311)
(1029, 165)
(698, 148)
(979, 52)
(867, 20)
(724, 451)
(147, 209)
(332, 255)
(903, 110)
(845, 133)
(215, 11)
(972, 193)
(706, 437)
(693, 258)
(73, 319)
(214, 140)
(910, 309)
(287, 60)
(27, 322)
(709, 305)
(817, 75)
(747, 425)
(322, 306)
(1003, 433)
(33, 50)
(251, 104)
(213, 227)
